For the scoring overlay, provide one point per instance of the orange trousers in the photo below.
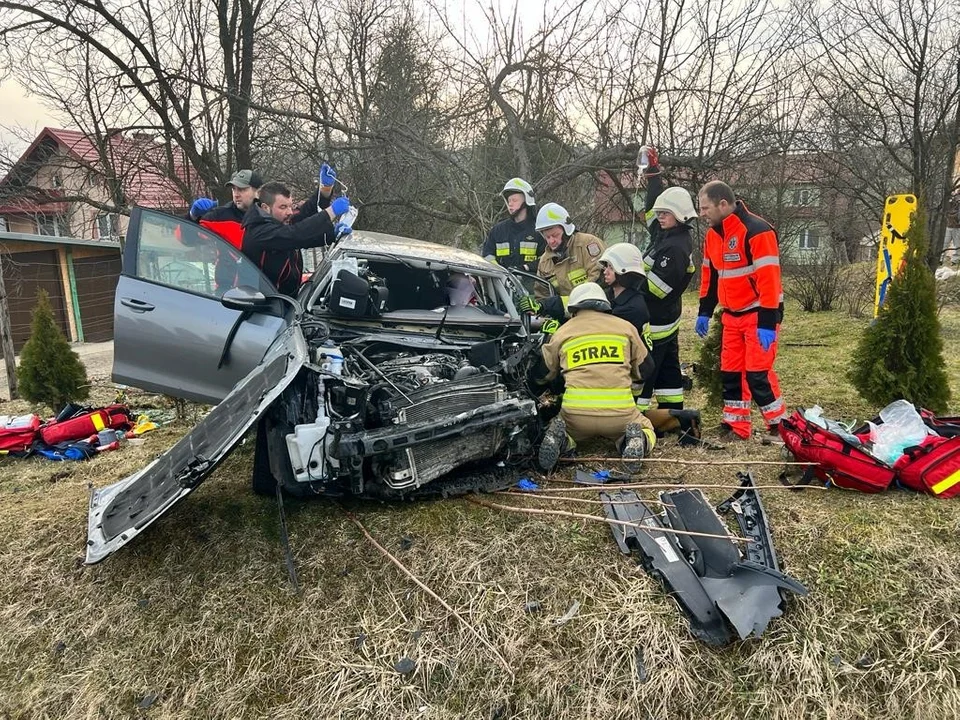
(746, 370)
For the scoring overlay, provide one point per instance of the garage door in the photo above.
(96, 285)
(23, 275)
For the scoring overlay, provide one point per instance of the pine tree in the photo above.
(901, 354)
(708, 371)
(50, 372)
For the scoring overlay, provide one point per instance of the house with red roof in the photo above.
(73, 184)
(63, 212)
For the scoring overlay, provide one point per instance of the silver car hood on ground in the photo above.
(120, 512)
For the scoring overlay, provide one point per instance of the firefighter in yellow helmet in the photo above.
(570, 259)
(599, 356)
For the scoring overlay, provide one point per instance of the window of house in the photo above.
(52, 225)
(3, 224)
(806, 196)
(108, 225)
(809, 239)
(57, 180)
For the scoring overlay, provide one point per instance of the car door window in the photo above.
(176, 252)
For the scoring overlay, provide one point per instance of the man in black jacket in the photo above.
(514, 242)
(274, 234)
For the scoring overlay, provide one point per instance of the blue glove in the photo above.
(766, 338)
(339, 206)
(342, 229)
(703, 326)
(201, 206)
(528, 303)
(327, 175)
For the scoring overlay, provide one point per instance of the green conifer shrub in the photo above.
(50, 372)
(708, 369)
(901, 354)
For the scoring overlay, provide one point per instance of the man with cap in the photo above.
(227, 220)
(599, 356)
(514, 242)
(570, 259)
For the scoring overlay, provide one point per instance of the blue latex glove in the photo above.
(339, 206)
(766, 338)
(342, 229)
(703, 326)
(528, 303)
(327, 175)
(201, 206)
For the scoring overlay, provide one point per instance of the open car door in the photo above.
(170, 329)
(120, 512)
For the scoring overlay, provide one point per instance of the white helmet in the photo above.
(676, 200)
(588, 296)
(519, 185)
(624, 258)
(551, 215)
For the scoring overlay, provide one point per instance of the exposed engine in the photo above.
(374, 418)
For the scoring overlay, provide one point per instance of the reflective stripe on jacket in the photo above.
(741, 268)
(600, 357)
(577, 263)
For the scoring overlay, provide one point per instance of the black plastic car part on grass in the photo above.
(725, 593)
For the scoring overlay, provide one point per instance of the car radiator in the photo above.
(431, 460)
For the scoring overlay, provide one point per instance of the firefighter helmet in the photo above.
(588, 296)
(553, 214)
(519, 185)
(677, 201)
(624, 258)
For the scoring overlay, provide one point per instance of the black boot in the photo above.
(554, 444)
(689, 421)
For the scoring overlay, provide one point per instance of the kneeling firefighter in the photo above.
(624, 277)
(570, 259)
(599, 356)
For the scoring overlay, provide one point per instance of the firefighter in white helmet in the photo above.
(514, 242)
(624, 277)
(599, 357)
(669, 270)
(571, 259)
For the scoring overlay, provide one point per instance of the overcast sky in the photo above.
(19, 109)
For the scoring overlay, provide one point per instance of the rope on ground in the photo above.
(646, 460)
(597, 518)
(463, 621)
(646, 486)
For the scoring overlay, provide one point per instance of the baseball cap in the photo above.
(245, 179)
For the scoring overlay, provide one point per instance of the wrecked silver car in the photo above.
(399, 370)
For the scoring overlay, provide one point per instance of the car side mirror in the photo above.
(245, 298)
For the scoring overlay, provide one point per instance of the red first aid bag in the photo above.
(933, 467)
(17, 433)
(76, 428)
(837, 460)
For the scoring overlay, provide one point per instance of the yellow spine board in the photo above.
(897, 212)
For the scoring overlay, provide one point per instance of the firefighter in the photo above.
(741, 272)
(625, 278)
(570, 259)
(669, 270)
(514, 242)
(599, 356)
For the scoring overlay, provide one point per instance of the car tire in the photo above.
(263, 481)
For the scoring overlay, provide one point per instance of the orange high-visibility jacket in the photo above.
(741, 268)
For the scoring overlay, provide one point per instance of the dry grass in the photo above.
(196, 618)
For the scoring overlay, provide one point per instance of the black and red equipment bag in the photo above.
(86, 423)
(837, 461)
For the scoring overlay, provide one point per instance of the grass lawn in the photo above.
(197, 619)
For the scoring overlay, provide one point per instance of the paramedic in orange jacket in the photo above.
(741, 272)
